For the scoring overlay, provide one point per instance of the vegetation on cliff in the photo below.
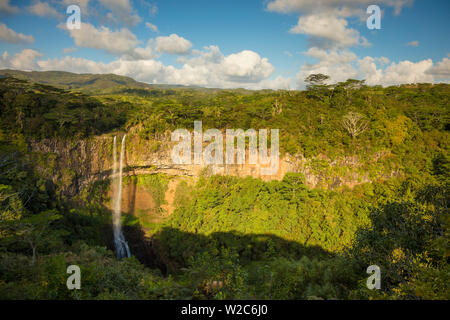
(233, 237)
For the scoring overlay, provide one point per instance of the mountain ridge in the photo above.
(85, 81)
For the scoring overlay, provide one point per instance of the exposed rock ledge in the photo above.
(84, 161)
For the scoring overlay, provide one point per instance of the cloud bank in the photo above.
(324, 22)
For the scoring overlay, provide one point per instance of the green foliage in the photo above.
(102, 277)
(409, 241)
(307, 278)
(229, 237)
(286, 209)
(39, 111)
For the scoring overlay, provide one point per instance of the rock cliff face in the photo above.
(80, 163)
(91, 160)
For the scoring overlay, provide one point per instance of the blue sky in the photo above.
(252, 43)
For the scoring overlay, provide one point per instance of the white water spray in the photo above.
(122, 249)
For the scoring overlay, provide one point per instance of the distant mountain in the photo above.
(85, 82)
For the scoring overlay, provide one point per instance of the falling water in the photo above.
(122, 249)
(113, 187)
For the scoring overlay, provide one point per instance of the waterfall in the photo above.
(122, 249)
(114, 176)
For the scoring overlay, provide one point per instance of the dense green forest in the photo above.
(230, 237)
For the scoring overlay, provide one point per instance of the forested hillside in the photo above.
(230, 237)
(84, 82)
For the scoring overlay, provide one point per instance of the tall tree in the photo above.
(316, 79)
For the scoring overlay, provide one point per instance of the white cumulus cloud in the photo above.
(337, 64)
(24, 60)
(395, 73)
(208, 67)
(325, 22)
(9, 35)
(441, 70)
(43, 9)
(121, 12)
(246, 66)
(327, 30)
(304, 6)
(6, 8)
(173, 44)
(83, 4)
(343, 65)
(119, 42)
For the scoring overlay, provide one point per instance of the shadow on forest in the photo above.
(170, 249)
